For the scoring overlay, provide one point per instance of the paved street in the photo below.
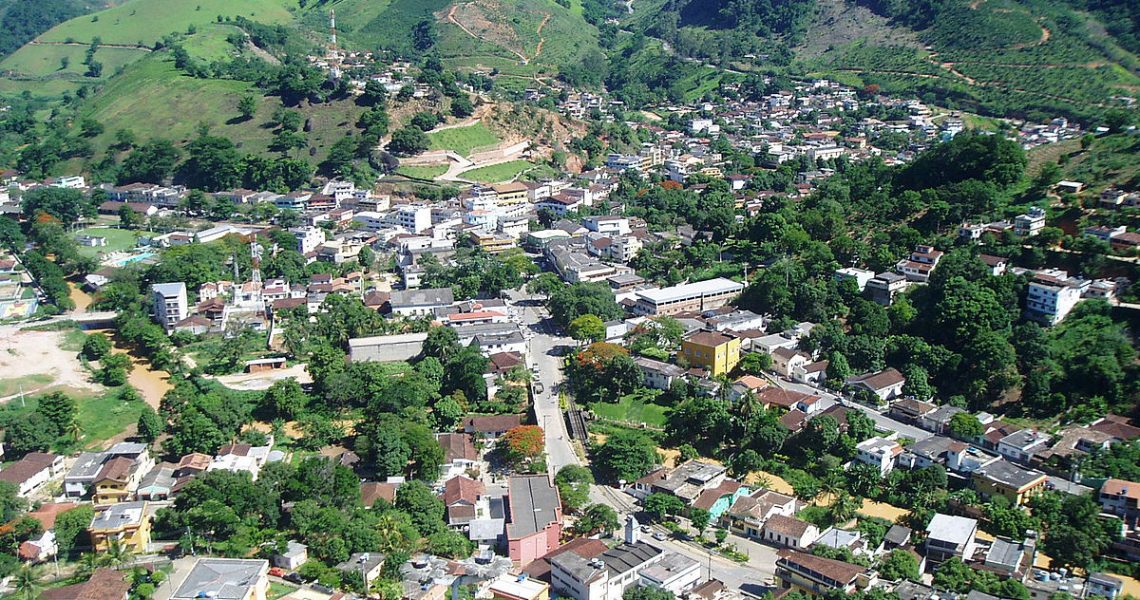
(882, 421)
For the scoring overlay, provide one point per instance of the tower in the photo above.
(332, 28)
(255, 250)
(632, 532)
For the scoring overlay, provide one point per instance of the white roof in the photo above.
(949, 528)
(719, 285)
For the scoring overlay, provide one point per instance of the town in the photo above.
(797, 340)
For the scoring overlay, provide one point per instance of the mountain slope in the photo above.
(23, 20)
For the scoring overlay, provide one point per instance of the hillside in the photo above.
(22, 20)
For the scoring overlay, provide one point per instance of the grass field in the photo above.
(279, 590)
(153, 99)
(632, 409)
(496, 173)
(50, 89)
(117, 240)
(27, 383)
(44, 60)
(210, 43)
(105, 416)
(146, 21)
(423, 172)
(462, 140)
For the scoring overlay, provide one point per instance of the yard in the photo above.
(279, 590)
(423, 172)
(497, 173)
(462, 140)
(118, 240)
(633, 409)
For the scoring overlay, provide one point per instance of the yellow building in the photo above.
(115, 482)
(1003, 478)
(715, 352)
(510, 193)
(126, 522)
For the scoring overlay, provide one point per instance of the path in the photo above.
(541, 40)
(101, 45)
(454, 21)
(262, 54)
(468, 122)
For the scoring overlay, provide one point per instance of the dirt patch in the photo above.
(883, 511)
(24, 354)
(81, 298)
(669, 456)
(770, 481)
(839, 23)
(151, 383)
(262, 381)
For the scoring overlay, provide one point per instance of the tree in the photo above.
(450, 544)
(27, 582)
(660, 505)
(644, 592)
(898, 565)
(700, 519)
(521, 446)
(247, 106)
(70, 525)
(966, 426)
(426, 509)
(150, 425)
(442, 343)
(755, 363)
(461, 106)
(285, 399)
(95, 346)
(59, 410)
(626, 455)
(374, 94)
(153, 162)
(587, 328)
(29, 433)
(574, 483)
(597, 518)
(408, 141)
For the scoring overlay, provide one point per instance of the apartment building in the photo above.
(688, 297)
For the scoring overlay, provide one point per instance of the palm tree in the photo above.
(388, 528)
(88, 563)
(844, 507)
(27, 582)
(73, 430)
(746, 406)
(117, 554)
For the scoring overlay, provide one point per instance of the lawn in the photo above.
(423, 172)
(279, 590)
(144, 22)
(27, 383)
(634, 408)
(210, 43)
(462, 140)
(496, 173)
(103, 417)
(118, 240)
(47, 60)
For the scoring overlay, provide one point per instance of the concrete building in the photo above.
(168, 302)
(607, 576)
(386, 348)
(225, 579)
(879, 453)
(1121, 498)
(508, 587)
(689, 297)
(1031, 223)
(308, 238)
(860, 276)
(1051, 297)
(920, 264)
(716, 352)
(31, 472)
(421, 302)
(1003, 478)
(815, 575)
(126, 522)
(658, 375)
(534, 525)
(789, 532)
(949, 536)
(886, 385)
(415, 219)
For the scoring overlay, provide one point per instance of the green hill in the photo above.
(23, 20)
(144, 22)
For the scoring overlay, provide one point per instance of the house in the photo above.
(491, 427)
(509, 587)
(1069, 187)
(674, 573)
(883, 288)
(996, 264)
(611, 573)
(786, 360)
(1050, 297)
(31, 472)
(1011, 558)
(910, 410)
(372, 492)
(747, 384)
(789, 532)
(459, 453)
(224, 578)
(835, 537)
(126, 522)
(886, 385)
(1104, 586)
(715, 352)
(168, 302)
(948, 536)
(1020, 446)
(815, 575)
(717, 500)
(1031, 223)
(534, 525)
(658, 375)
(920, 264)
(461, 498)
(879, 453)
(813, 373)
(1121, 498)
(117, 480)
(369, 565)
(861, 277)
(293, 557)
(748, 514)
(421, 302)
(587, 548)
(924, 453)
(938, 420)
(104, 584)
(1003, 478)
(687, 482)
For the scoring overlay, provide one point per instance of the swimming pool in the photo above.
(122, 262)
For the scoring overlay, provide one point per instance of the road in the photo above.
(827, 400)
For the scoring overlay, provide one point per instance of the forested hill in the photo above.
(22, 20)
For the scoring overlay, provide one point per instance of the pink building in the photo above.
(535, 523)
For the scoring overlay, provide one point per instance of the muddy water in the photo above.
(151, 383)
(81, 298)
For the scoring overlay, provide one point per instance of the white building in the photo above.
(949, 536)
(879, 453)
(1051, 297)
(415, 219)
(859, 276)
(609, 225)
(1030, 223)
(308, 238)
(168, 300)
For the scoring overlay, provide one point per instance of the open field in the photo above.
(423, 172)
(496, 173)
(136, 21)
(632, 409)
(31, 356)
(118, 240)
(46, 60)
(50, 89)
(210, 43)
(462, 140)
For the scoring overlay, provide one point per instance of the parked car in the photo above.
(661, 537)
(293, 577)
(276, 572)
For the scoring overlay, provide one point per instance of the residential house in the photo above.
(920, 264)
(587, 548)
(293, 557)
(461, 500)
(370, 565)
(789, 532)
(715, 352)
(490, 427)
(949, 536)
(608, 575)
(117, 481)
(1020, 446)
(658, 375)
(911, 410)
(104, 584)
(717, 500)
(1051, 296)
(861, 277)
(815, 575)
(886, 385)
(1013, 559)
(787, 360)
(31, 472)
(674, 573)
(510, 587)
(1104, 586)
(1121, 498)
(748, 514)
(459, 453)
(228, 578)
(1030, 223)
(421, 302)
(126, 522)
(534, 525)
(938, 420)
(813, 373)
(879, 453)
(687, 482)
(1003, 478)
(884, 287)
(747, 384)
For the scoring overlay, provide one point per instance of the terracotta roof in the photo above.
(710, 339)
(781, 397)
(492, 423)
(587, 548)
(460, 513)
(1120, 487)
(835, 570)
(105, 584)
(709, 497)
(371, 491)
(196, 461)
(27, 467)
(461, 489)
(881, 380)
(1118, 427)
(505, 361)
(752, 382)
(457, 446)
(794, 420)
(787, 526)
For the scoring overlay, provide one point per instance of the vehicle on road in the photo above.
(659, 536)
(538, 389)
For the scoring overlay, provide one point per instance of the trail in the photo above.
(541, 40)
(454, 21)
(101, 45)
(262, 54)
